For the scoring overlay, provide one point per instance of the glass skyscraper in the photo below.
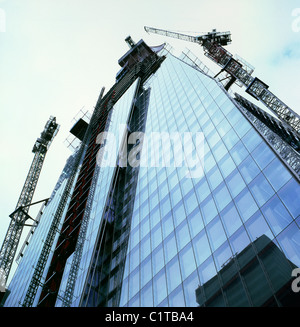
(157, 233)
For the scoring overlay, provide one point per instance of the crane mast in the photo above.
(20, 216)
(213, 49)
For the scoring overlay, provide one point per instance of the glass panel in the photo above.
(159, 287)
(235, 183)
(249, 169)
(216, 233)
(183, 235)
(226, 165)
(230, 139)
(173, 274)
(156, 236)
(167, 225)
(208, 209)
(189, 287)
(239, 153)
(147, 296)
(195, 222)
(263, 155)
(145, 247)
(157, 260)
(214, 178)
(239, 240)
(257, 226)
(146, 271)
(290, 195)
(187, 261)
(179, 213)
(222, 255)
(246, 204)
(276, 215)
(251, 140)
(134, 283)
(170, 247)
(231, 219)
(207, 270)
(289, 241)
(219, 151)
(261, 189)
(190, 202)
(176, 299)
(242, 127)
(222, 196)
(277, 174)
(202, 189)
(201, 247)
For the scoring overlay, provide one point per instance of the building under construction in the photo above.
(132, 234)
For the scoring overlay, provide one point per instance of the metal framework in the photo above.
(20, 215)
(54, 228)
(255, 87)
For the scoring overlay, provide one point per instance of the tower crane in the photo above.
(213, 43)
(20, 216)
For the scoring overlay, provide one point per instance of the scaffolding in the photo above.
(20, 216)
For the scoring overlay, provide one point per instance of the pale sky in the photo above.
(55, 56)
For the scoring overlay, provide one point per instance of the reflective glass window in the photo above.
(230, 139)
(242, 127)
(145, 247)
(156, 236)
(263, 155)
(157, 259)
(191, 202)
(216, 233)
(226, 165)
(201, 247)
(147, 296)
(246, 204)
(273, 171)
(251, 140)
(257, 226)
(187, 261)
(239, 240)
(222, 196)
(170, 247)
(214, 178)
(183, 235)
(189, 287)
(290, 195)
(207, 270)
(173, 274)
(202, 189)
(223, 127)
(208, 209)
(195, 222)
(231, 219)
(235, 183)
(239, 153)
(261, 189)
(289, 241)
(249, 169)
(167, 225)
(146, 271)
(159, 287)
(222, 255)
(276, 214)
(134, 283)
(219, 150)
(176, 298)
(179, 213)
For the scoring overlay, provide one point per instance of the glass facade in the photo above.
(183, 230)
(159, 238)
